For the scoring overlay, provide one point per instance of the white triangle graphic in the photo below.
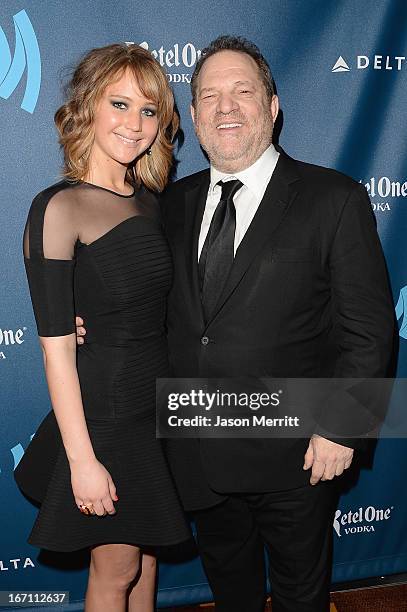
(340, 65)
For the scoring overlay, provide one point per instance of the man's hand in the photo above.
(328, 459)
(80, 330)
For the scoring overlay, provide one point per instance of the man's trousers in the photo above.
(295, 526)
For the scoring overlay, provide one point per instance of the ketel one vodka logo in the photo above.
(10, 337)
(383, 189)
(176, 60)
(26, 58)
(362, 520)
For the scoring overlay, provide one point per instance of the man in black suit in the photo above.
(278, 273)
(302, 292)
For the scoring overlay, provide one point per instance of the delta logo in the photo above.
(373, 62)
(18, 563)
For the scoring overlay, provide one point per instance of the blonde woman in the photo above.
(93, 244)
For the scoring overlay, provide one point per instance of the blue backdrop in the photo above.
(341, 74)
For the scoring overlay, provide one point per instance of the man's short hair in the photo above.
(242, 45)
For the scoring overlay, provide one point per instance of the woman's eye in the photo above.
(149, 112)
(120, 105)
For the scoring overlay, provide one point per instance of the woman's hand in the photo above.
(92, 484)
(80, 330)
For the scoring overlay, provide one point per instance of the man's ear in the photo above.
(192, 109)
(274, 107)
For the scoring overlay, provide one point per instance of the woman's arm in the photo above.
(59, 355)
(50, 237)
(91, 482)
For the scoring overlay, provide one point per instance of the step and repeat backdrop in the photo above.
(341, 73)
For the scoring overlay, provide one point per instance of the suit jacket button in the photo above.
(204, 340)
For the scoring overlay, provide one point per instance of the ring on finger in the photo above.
(87, 509)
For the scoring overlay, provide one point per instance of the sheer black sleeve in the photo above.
(49, 246)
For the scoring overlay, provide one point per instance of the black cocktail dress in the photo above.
(91, 251)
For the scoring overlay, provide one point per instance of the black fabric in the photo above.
(104, 256)
(295, 525)
(50, 279)
(54, 316)
(217, 252)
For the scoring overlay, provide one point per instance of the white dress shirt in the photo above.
(255, 180)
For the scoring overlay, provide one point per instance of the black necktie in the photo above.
(218, 250)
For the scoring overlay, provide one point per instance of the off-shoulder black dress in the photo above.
(91, 251)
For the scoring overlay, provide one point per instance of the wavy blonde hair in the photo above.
(74, 119)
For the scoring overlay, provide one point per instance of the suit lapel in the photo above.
(195, 200)
(279, 195)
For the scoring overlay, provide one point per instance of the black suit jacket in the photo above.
(307, 297)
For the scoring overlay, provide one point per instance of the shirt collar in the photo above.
(255, 178)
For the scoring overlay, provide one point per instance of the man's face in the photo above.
(233, 118)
